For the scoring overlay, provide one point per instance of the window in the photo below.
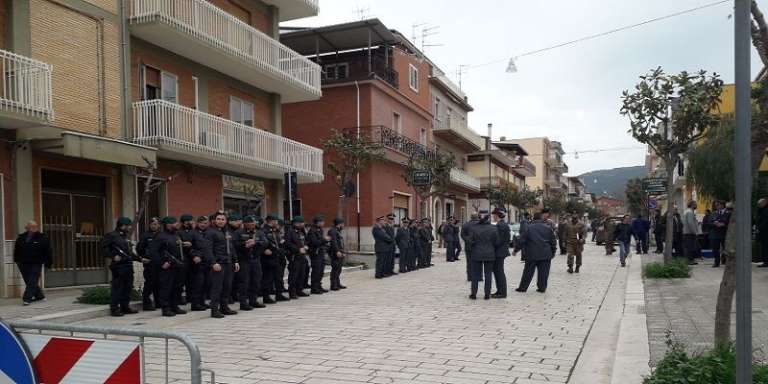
(423, 137)
(338, 71)
(169, 87)
(195, 83)
(240, 111)
(413, 77)
(397, 123)
(436, 112)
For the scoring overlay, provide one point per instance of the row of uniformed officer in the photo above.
(413, 239)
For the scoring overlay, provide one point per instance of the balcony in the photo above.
(205, 34)
(553, 182)
(25, 91)
(525, 168)
(458, 133)
(295, 9)
(185, 134)
(400, 147)
(357, 69)
(464, 180)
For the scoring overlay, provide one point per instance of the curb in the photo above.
(632, 347)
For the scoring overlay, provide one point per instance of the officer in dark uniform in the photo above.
(117, 249)
(149, 294)
(201, 266)
(234, 222)
(318, 246)
(390, 228)
(225, 263)
(167, 256)
(383, 246)
(191, 247)
(449, 238)
(502, 252)
(270, 262)
(483, 238)
(425, 243)
(415, 254)
(251, 242)
(466, 229)
(296, 245)
(403, 240)
(336, 253)
(283, 260)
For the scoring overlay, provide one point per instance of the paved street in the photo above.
(413, 328)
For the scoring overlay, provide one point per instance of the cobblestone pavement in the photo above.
(687, 308)
(418, 327)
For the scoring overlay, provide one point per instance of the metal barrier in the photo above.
(196, 375)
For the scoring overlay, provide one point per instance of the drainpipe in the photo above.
(357, 87)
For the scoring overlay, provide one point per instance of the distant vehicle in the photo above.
(600, 238)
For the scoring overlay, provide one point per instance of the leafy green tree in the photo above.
(711, 164)
(525, 198)
(352, 154)
(636, 198)
(555, 201)
(669, 113)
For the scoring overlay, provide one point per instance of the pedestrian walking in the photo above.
(660, 231)
(383, 246)
(609, 227)
(719, 229)
(691, 232)
(32, 252)
(336, 253)
(623, 234)
(502, 252)
(149, 294)
(483, 239)
(641, 228)
(116, 247)
(540, 244)
(593, 226)
(449, 239)
(575, 237)
(457, 236)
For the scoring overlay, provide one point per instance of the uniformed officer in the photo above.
(318, 244)
(502, 252)
(117, 249)
(270, 262)
(483, 238)
(609, 227)
(250, 244)
(336, 253)
(167, 256)
(449, 238)
(298, 252)
(200, 271)
(404, 244)
(415, 256)
(149, 294)
(425, 241)
(575, 237)
(390, 227)
(225, 263)
(466, 229)
(191, 247)
(383, 246)
(234, 222)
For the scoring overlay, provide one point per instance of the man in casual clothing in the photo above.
(691, 232)
(609, 227)
(561, 238)
(540, 244)
(660, 231)
(31, 252)
(719, 228)
(623, 234)
(640, 227)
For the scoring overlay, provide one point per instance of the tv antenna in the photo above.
(363, 12)
(414, 36)
(427, 32)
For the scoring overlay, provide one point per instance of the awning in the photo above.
(91, 147)
(338, 37)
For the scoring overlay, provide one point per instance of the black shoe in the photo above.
(520, 290)
(623, 265)
(116, 313)
(393, 274)
(168, 312)
(577, 268)
(227, 311)
(216, 314)
(379, 277)
(269, 300)
(179, 311)
(487, 297)
(282, 298)
(317, 291)
(570, 269)
(342, 287)
(256, 304)
(541, 290)
(245, 307)
(693, 263)
(716, 266)
(293, 296)
(302, 294)
(473, 297)
(335, 288)
(763, 266)
(198, 308)
(183, 301)
(498, 296)
(324, 290)
(148, 307)
(129, 311)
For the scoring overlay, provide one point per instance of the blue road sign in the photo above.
(15, 364)
(653, 204)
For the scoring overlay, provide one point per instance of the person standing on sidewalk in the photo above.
(466, 229)
(225, 263)
(117, 249)
(719, 228)
(318, 243)
(659, 231)
(623, 234)
(448, 238)
(483, 238)
(540, 244)
(150, 298)
(561, 238)
(502, 252)
(691, 232)
(383, 245)
(32, 251)
(523, 227)
(609, 227)
(405, 245)
(640, 227)
(168, 257)
(336, 253)
(575, 237)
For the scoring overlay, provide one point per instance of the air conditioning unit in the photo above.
(214, 140)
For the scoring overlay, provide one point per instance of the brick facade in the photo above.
(254, 13)
(5, 168)
(194, 190)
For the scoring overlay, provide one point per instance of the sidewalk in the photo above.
(687, 308)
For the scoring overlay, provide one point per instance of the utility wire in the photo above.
(597, 35)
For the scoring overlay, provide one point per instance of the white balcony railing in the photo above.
(25, 86)
(227, 33)
(460, 128)
(162, 123)
(464, 179)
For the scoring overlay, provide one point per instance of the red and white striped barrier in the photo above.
(84, 361)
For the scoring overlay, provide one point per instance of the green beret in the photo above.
(249, 219)
(338, 221)
(202, 218)
(234, 217)
(272, 217)
(280, 222)
(258, 219)
(298, 219)
(318, 218)
(124, 221)
(168, 220)
(186, 217)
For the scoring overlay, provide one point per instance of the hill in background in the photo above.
(611, 182)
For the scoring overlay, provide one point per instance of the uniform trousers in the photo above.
(500, 276)
(381, 263)
(169, 285)
(270, 268)
(542, 269)
(336, 264)
(196, 283)
(149, 291)
(450, 251)
(318, 269)
(482, 270)
(405, 259)
(250, 281)
(297, 270)
(121, 285)
(221, 286)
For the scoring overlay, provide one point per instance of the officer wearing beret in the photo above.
(234, 222)
(201, 270)
(271, 260)
(298, 253)
(318, 244)
(384, 244)
(149, 293)
(117, 249)
(336, 250)
(224, 264)
(167, 255)
(403, 240)
(251, 243)
(186, 233)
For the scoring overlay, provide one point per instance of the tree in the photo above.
(576, 207)
(669, 113)
(711, 165)
(438, 164)
(555, 201)
(353, 154)
(502, 195)
(525, 198)
(636, 198)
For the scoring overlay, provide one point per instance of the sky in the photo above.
(570, 94)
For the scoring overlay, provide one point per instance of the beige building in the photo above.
(547, 158)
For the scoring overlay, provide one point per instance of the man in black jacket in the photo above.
(720, 219)
(389, 226)
(250, 243)
(383, 246)
(483, 239)
(540, 245)
(270, 262)
(404, 244)
(296, 245)
(659, 231)
(502, 252)
(201, 269)
(149, 293)
(117, 249)
(449, 239)
(31, 252)
(224, 264)
(465, 231)
(415, 256)
(167, 255)
(336, 253)
(191, 251)
(318, 244)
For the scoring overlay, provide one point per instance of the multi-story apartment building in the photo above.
(92, 90)
(576, 189)
(375, 82)
(547, 157)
